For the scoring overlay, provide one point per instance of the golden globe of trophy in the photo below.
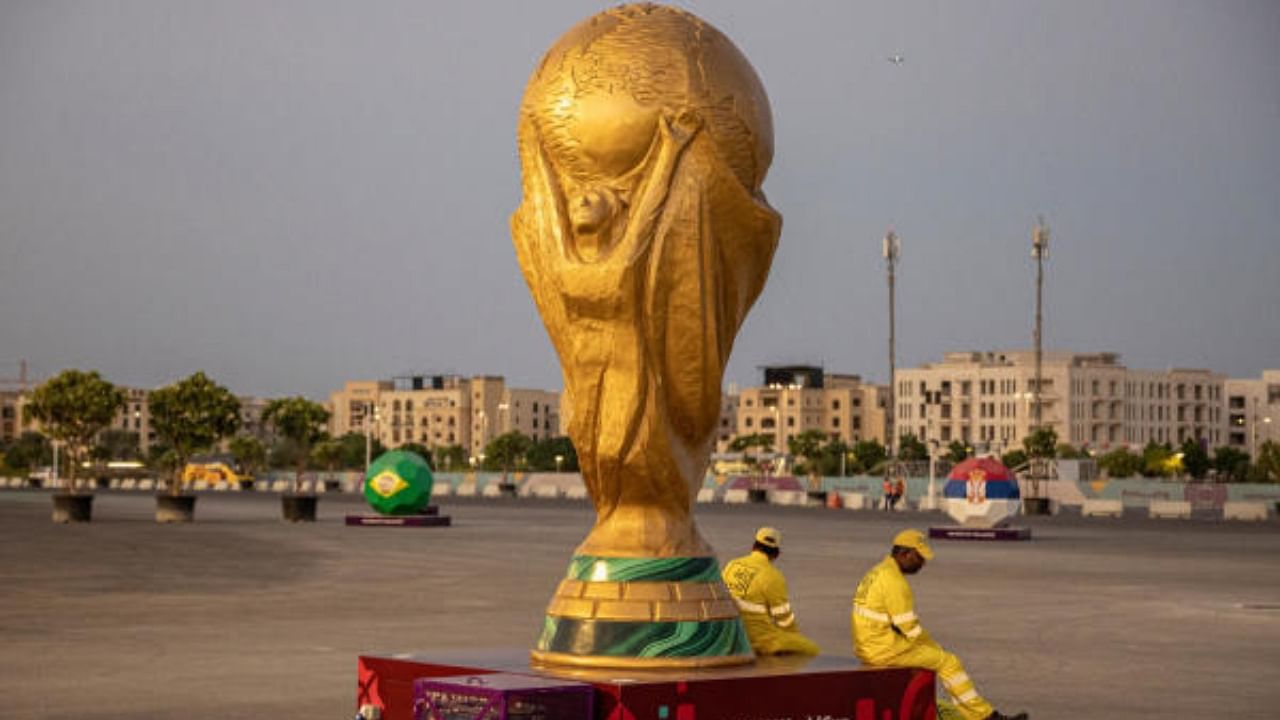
(645, 237)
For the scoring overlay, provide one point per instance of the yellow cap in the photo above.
(769, 537)
(914, 539)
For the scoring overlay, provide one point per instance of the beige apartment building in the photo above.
(795, 399)
(442, 410)
(1253, 411)
(11, 402)
(1089, 399)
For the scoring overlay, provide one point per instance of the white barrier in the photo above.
(1170, 509)
(1241, 510)
(279, 485)
(492, 490)
(1102, 508)
(706, 495)
(442, 490)
(736, 496)
(788, 497)
(548, 492)
(199, 485)
(853, 500)
(146, 484)
(577, 492)
(466, 490)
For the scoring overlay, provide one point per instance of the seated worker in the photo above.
(761, 593)
(887, 633)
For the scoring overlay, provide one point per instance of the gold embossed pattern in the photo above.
(643, 601)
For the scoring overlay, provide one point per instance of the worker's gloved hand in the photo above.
(1001, 716)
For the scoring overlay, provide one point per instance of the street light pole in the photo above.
(891, 249)
(1039, 251)
(370, 417)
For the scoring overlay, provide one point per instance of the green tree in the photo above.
(301, 422)
(868, 454)
(1268, 463)
(30, 450)
(1014, 459)
(1041, 443)
(1121, 463)
(117, 444)
(542, 456)
(957, 451)
(808, 445)
(832, 454)
(192, 415)
(910, 449)
(1195, 459)
(1156, 460)
(454, 457)
(751, 446)
(1232, 465)
(353, 449)
(73, 407)
(422, 451)
(327, 453)
(507, 451)
(250, 454)
(1067, 451)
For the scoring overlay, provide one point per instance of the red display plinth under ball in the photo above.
(771, 688)
(960, 532)
(429, 517)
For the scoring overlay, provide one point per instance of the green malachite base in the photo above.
(643, 612)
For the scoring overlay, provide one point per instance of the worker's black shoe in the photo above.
(1000, 716)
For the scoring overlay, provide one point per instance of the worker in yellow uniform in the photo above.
(887, 633)
(761, 593)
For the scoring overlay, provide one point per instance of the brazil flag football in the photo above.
(398, 483)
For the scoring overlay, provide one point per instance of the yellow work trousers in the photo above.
(781, 643)
(929, 655)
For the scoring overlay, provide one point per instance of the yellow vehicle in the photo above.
(211, 472)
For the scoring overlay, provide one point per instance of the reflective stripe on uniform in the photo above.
(914, 632)
(955, 680)
(788, 622)
(905, 617)
(748, 606)
(871, 614)
(966, 697)
(782, 609)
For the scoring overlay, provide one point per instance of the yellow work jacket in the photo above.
(884, 616)
(761, 593)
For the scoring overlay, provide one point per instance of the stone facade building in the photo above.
(1090, 400)
(443, 410)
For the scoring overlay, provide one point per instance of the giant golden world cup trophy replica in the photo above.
(644, 138)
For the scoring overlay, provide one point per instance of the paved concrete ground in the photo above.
(242, 616)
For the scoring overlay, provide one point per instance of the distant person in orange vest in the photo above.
(899, 489)
(887, 487)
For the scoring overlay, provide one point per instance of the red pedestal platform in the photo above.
(822, 688)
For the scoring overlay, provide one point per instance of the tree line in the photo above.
(197, 415)
(818, 454)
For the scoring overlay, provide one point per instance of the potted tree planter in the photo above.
(302, 422)
(74, 407)
(188, 416)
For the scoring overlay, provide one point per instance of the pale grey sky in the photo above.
(292, 194)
